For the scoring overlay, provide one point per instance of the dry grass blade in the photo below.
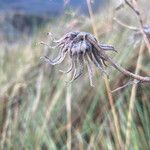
(39, 86)
(107, 84)
(6, 127)
(68, 109)
(132, 98)
(38, 91)
(54, 100)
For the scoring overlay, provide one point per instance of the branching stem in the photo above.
(117, 66)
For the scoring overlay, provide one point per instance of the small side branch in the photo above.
(128, 73)
(117, 66)
(135, 8)
(125, 85)
(125, 25)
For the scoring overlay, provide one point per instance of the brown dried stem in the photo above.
(118, 67)
(135, 8)
(107, 84)
(132, 98)
(125, 85)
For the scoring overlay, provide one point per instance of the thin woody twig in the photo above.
(118, 67)
(125, 25)
(132, 7)
(125, 85)
(107, 84)
(137, 12)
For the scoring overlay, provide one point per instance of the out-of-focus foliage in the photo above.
(32, 94)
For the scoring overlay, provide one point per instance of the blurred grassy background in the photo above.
(33, 95)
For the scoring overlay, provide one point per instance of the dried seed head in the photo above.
(81, 50)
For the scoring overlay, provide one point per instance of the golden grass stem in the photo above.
(91, 143)
(107, 84)
(39, 85)
(125, 25)
(5, 128)
(114, 113)
(132, 97)
(38, 91)
(68, 109)
(92, 18)
(47, 116)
